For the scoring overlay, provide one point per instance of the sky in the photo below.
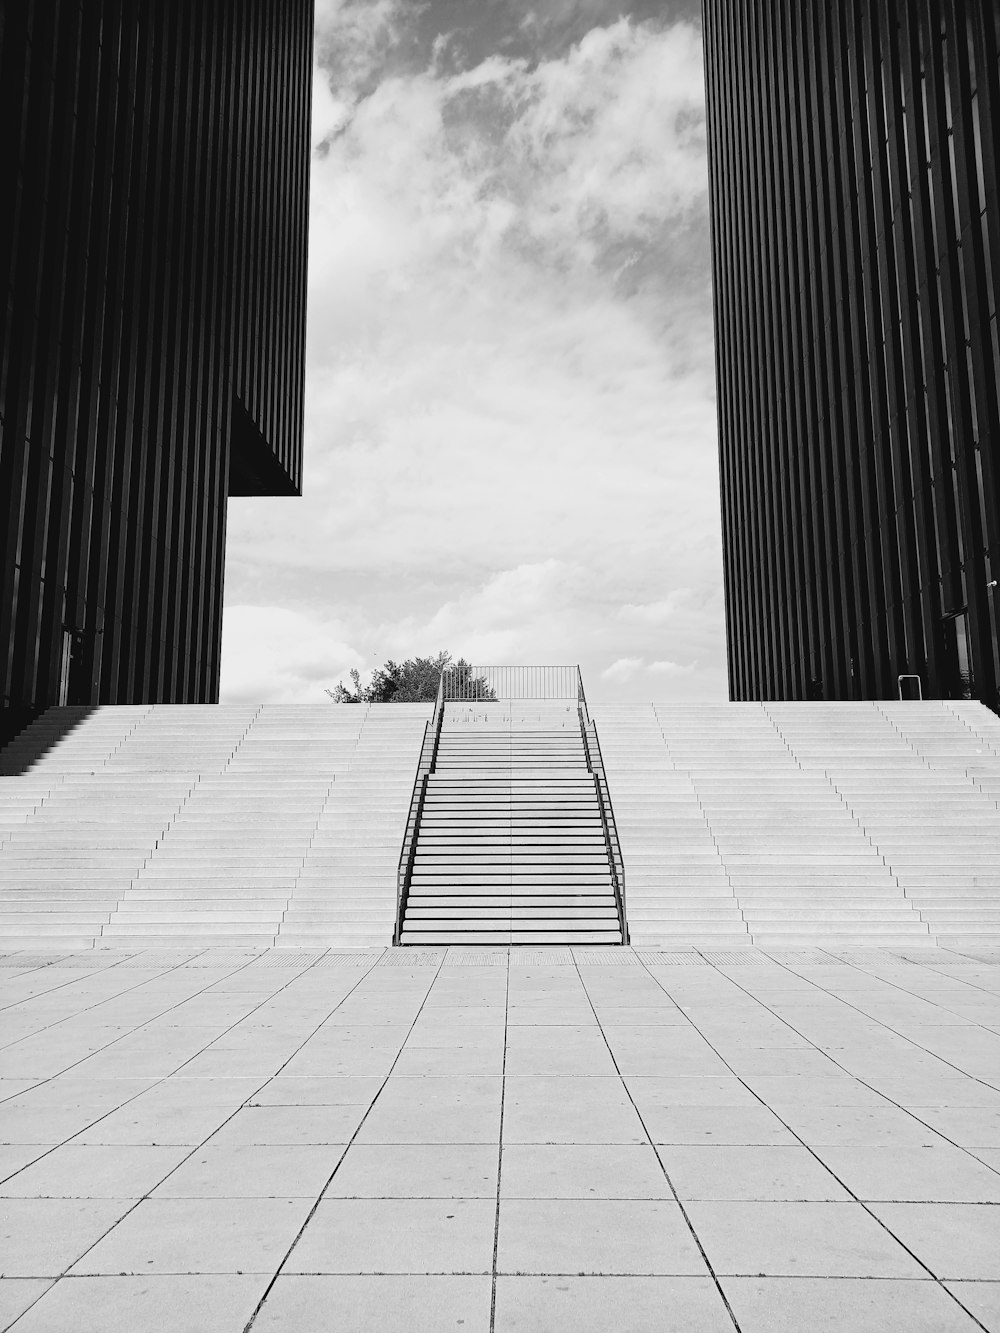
(510, 429)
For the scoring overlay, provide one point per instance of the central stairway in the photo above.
(509, 841)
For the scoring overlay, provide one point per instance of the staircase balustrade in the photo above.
(475, 684)
(425, 766)
(595, 764)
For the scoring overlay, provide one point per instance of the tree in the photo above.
(410, 682)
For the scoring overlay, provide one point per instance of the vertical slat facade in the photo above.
(153, 231)
(856, 245)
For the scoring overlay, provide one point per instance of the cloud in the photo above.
(355, 39)
(563, 160)
(660, 611)
(672, 669)
(276, 655)
(510, 421)
(623, 669)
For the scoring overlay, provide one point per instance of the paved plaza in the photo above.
(492, 1140)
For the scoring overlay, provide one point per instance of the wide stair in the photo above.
(511, 846)
(795, 824)
(246, 826)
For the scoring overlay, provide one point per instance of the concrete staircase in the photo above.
(771, 824)
(795, 824)
(510, 846)
(213, 825)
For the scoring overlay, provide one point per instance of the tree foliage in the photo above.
(410, 682)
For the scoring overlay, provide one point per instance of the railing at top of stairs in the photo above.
(425, 766)
(464, 683)
(595, 764)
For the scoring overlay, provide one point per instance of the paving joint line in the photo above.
(941, 1282)
(108, 999)
(319, 1198)
(888, 1027)
(503, 1098)
(166, 1078)
(70, 981)
(666, 1175)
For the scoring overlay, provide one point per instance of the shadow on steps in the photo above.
(27, 734)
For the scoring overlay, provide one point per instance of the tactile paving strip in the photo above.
(522, 957)
(32, 959)
(740, 958)
(92, 962)
(660, 959)
(799, 957)
(289, 958)
(873, 957)
(411, 958)
(610, 957)
(931, 956)
(157, 961)
(465, 957)
(219, 958)
(349, 958)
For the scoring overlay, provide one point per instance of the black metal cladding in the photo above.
(154, 156)
(853, 151)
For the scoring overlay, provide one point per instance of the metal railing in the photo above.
(920, 685)
(425, 766)
(595, 764)
(464, 683)
(477, 683)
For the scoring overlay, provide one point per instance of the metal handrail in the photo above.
(595, 765)
(464, 683)
(425, 766)
(910, 676)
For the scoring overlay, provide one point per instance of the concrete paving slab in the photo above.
(290, 1125)
(255, 1171)
(843, 1305)
(752, 1126)
(198, 1236)
(417, 1171)
(860, 1126)
(389, 1304)
(981, 1299)
(422, 1098)
(596, 1304)
(292, 1090)
(77, 1171)
(43, 1237)
(582, 1171)
(569, 1110)
(397, 1236)
(954, 1240)
(793, 1239)
(17, 1294)
(168, 1303)
(939, 1173)
(601, 1236)
(777, 1174)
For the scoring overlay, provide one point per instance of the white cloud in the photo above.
(672, 669)
(509, 452)
(623, 669)
(276, 655)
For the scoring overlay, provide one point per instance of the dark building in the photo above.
(154, 178)
(853, 150)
